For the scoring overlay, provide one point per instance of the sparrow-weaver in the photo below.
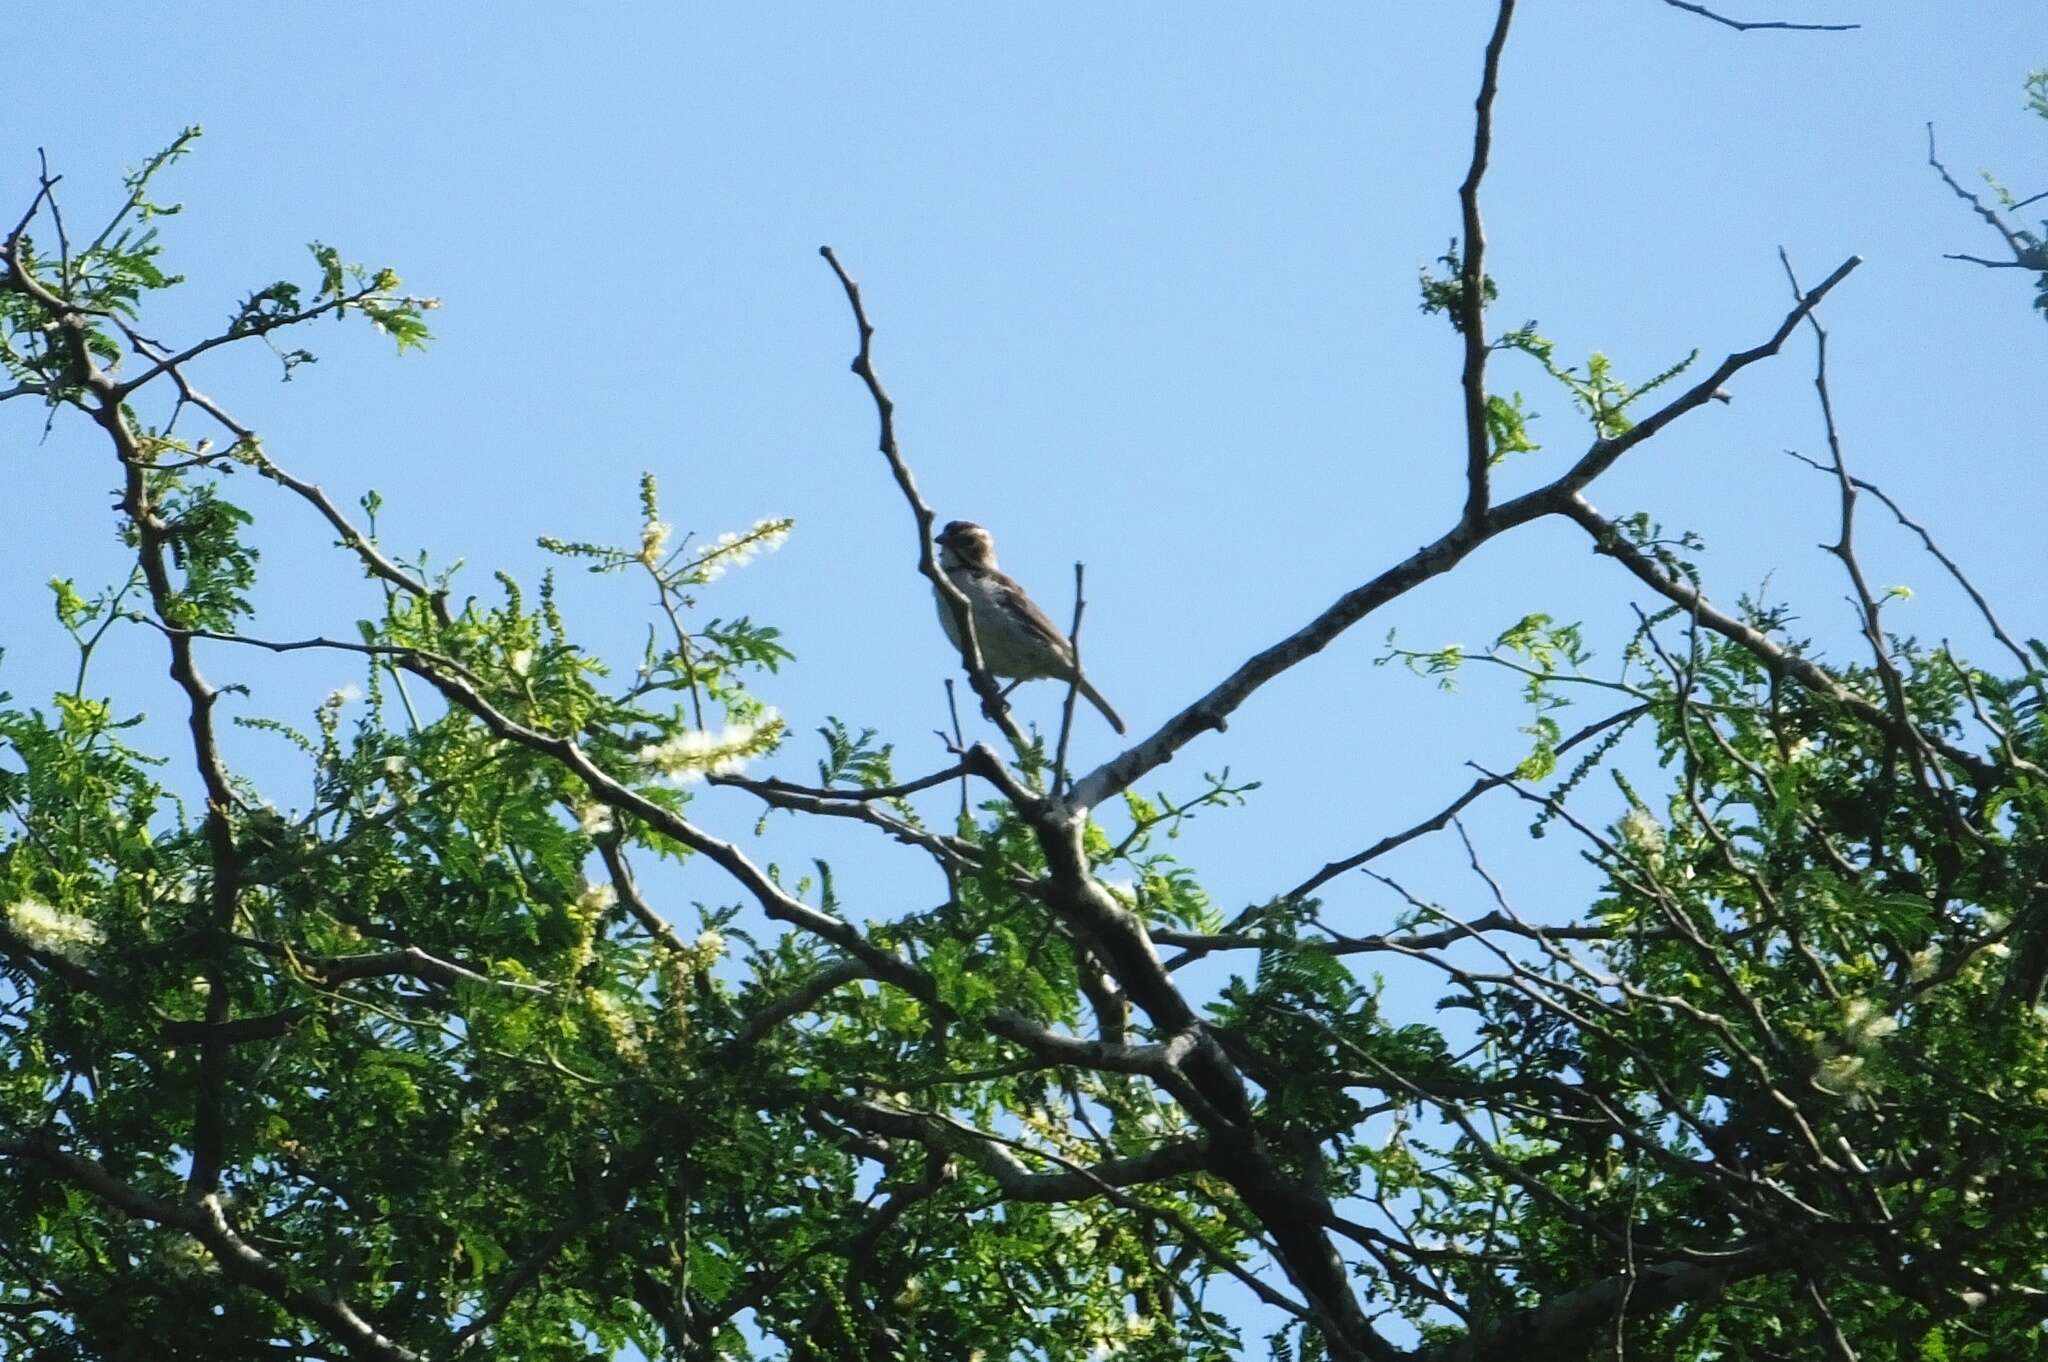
(1016, 638)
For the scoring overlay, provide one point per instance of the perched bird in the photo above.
(1016, 638)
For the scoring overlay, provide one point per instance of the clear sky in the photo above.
(1145, 281)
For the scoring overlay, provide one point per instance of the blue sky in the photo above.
(1144, 278)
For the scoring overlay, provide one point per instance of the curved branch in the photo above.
(992, 703)
(207, 1222)
(1744, 25)
(1212, 710)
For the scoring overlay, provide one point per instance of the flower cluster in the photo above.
(1642, 831)
(731, 550)
(689, 757)
(1843, 1057)
(54, 931)
(653, 539)
(617, 1024)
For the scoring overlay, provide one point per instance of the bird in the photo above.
(1017, 640)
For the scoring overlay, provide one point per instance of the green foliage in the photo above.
(1603, 398)
(1445, 292)
(418, 1038)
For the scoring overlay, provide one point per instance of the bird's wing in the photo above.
(1025, 611)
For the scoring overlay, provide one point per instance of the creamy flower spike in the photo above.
(54, 931)
(689, 757)
(1642, 830)
(1863, 1025)
(653, 539)
(731, 550)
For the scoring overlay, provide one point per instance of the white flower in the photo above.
(1863, 1025)
(653, 538)
(342, 695)
(731, 550)
(1641, 831)
(618, 1024)
(595, 898)
(689, 757)
(596, 820)
(521, 661)
(709, 945)
(55, 932)
(1842, 1073)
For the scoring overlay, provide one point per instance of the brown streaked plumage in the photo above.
(1017, 639)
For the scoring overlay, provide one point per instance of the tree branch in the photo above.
(207, 1222)
(992, 703)
(1747, 24)
(1212, 710)
(1472, 278)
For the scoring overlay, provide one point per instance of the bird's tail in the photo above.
(1094, 697)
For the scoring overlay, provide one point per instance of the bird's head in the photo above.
(965, 544)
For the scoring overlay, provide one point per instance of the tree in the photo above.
(418, 1070)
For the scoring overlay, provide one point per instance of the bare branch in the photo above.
(1948, 564)
(952, 852)
(1472, 278)
(992, 703)
(856, 794)
(1212, 710)
(1441, 819)
(2012, 239)
(1059, 764)
(1747, 24)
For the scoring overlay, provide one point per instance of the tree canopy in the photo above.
(424, 1064)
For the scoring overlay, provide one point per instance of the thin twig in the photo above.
(1059, 765)
(1955, 572)
(1747, 24)
(1441, 819)
(2012, 239)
